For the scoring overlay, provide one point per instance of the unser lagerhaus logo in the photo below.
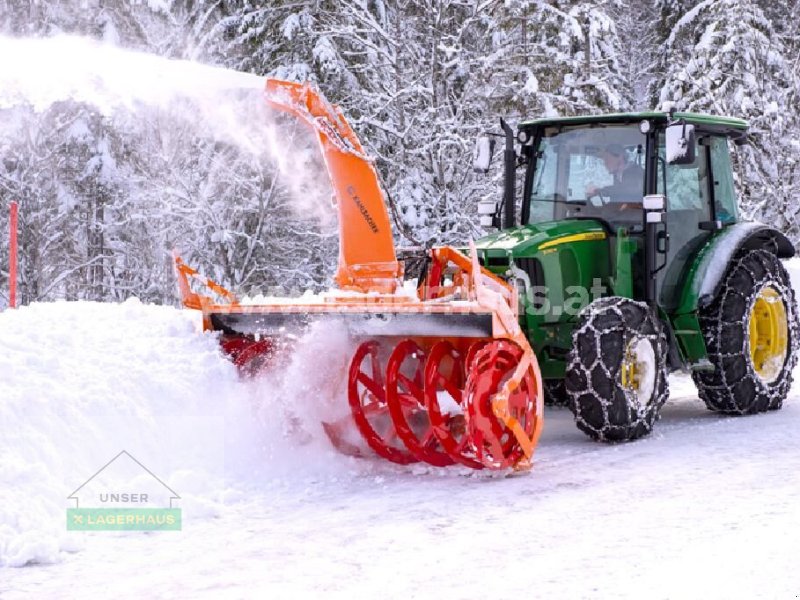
(124, 495)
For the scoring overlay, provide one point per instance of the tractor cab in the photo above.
(662, 183)
(603, 168)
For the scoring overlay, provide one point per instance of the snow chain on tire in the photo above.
(736, 386)
(607, 405)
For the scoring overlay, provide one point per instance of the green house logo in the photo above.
(124, 495)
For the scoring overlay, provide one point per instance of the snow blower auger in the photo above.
(444, 376)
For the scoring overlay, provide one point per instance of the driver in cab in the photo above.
(627, 178)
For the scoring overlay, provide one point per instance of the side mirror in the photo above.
(680, 144)
(487, 211)
(484, 148)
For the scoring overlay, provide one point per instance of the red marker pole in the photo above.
(12, 257)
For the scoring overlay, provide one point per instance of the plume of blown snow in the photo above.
(218, 103)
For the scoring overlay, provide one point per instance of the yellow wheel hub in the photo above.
(769, 334)
(629, 373)
(637, 371)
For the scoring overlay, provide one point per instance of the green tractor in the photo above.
(631, 261)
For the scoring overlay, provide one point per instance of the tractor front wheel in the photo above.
(617, 372)
(750, 331)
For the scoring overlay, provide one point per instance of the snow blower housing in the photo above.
(631, 260)
(442, 374)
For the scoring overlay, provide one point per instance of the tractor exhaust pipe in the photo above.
(509, 187)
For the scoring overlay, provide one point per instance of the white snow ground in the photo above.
(707, 506)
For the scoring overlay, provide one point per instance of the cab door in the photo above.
(688, 205)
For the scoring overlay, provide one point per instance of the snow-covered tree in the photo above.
(725, 58)
(557, 57)
(637, 29)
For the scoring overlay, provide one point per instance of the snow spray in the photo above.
(218, 103)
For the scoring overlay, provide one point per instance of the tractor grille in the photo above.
(533, 268)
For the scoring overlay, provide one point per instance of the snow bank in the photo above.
(80, 382)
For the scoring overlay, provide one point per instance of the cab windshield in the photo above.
(588, 171)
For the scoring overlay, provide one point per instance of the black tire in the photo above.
(555, 393)
(737, 386)
(611, 335)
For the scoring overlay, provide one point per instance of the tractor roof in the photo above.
(729, 125)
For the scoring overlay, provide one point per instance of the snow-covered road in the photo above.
(708, 506)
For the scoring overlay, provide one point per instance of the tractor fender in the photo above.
(706, 273)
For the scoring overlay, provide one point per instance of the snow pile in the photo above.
(80, 382)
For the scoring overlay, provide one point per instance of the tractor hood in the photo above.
(528, 239)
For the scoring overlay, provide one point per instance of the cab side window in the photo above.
(687, 185)
(724, 190)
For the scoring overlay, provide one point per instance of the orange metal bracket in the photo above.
(192, 299)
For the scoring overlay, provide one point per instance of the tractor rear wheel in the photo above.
(750, 332)
(616, 371)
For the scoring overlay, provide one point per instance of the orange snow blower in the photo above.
(443, 375)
